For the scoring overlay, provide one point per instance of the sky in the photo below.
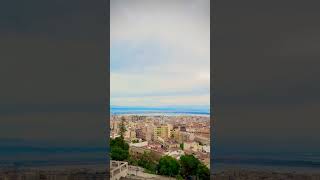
(160, 53)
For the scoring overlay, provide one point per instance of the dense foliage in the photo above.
(146, 160)
(192, 167)
(119, 142)
(119, 154)
(119, 149)
(168, 166)
(187, 167)
(203, 172)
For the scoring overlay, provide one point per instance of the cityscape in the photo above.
(162, 136)
(160, 89)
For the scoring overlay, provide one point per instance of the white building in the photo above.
(140, 144)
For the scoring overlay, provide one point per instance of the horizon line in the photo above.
(157, 106)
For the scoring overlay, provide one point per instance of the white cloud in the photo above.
(198, 100)
(183, 28)
(142, 84)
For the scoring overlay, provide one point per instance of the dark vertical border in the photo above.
(212, 71)
(107, 15)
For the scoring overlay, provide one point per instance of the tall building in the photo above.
(170, 128)
(163, 131)
(130, 134)
(149, 132)
(140, 133)
(177, 135)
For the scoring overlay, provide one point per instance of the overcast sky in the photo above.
(160, 52)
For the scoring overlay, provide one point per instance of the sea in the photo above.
(161, 111)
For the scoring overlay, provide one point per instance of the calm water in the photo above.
(168, 111)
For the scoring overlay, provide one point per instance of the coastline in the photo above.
(158, 114)
(161, 111)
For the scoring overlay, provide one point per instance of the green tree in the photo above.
(132, 161)
(135, 141)
(122, 127)
(147, 161)
(181, 146)
(189, 165)
(168, 166)
(119, 149)
(203, 172)
(119, 142)
(179, 177)
(119, 154)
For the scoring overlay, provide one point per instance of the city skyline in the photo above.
(160, 53)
